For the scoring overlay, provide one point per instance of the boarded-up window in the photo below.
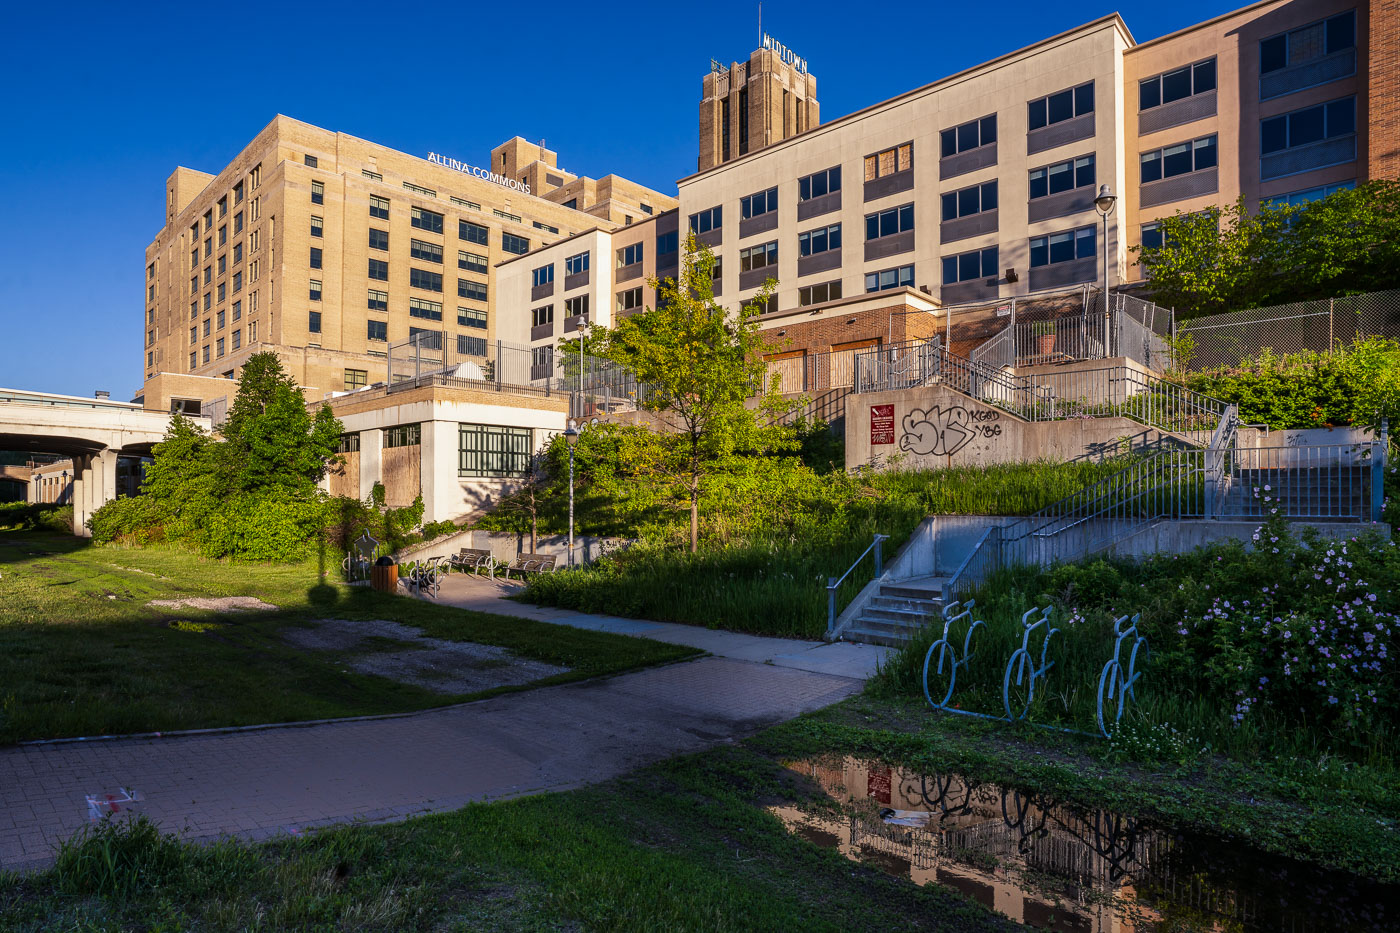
(843, 361)
(788, 368)
(869, 168)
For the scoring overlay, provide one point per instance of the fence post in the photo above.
(1378, 472)
(830, 603)
(498, 365)
(1331, 324)
(879, 563)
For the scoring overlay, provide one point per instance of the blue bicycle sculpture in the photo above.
(1022, 663)
(947, 653)
(1116, 680)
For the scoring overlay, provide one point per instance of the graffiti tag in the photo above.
(943, 432)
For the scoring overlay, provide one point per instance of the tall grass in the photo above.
(767, 552)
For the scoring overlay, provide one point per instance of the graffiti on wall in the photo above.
(941, 432)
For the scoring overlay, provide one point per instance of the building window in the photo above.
(318, 193)
(967, 267)
(969, 201)
(544, 275)
(237, 339)
(817, 294)
(758, 257)
(506, 215)
(632, 298)
(237, 253)
(756, 205)
(572, 204)
(1302, 45)
(541, 362)
(254, 210)
(1152, 236)
(573, 265)
(219, 320)
(208, 247)
(379, 207)
(422, 308)
(349, 443)
(576, 306)
(208, 300)
(378, 330)
(629, 255)
(379, 239)
(490, 450)
(514, 244)
(404, 435)
(885, 279)
(208, 220)
(425, 280)
(317, 225)
(542, 316)
(428, 252)
(819, 183)
(238, 193)
(470, 346)
(219, 347)
(419, 189)
(545, 227)
(425, 338)
(464, 202)
(237, 282)
(223, 235)
(378, 300)
(204, 353)
(315, 257)
(310, 161)
(238, 223)
(254, 241)
(194, 310)
(1309, 125)
(237, 310)
(252, 331)
(1063, 247)
(1177, 85)
(888, 223)
(194, 334)
(472, 262)
(431, 221)
(819, 240)
(1062, 176)
(470, 317)
(315, 290)
(193, 362)
(223, 265)
(194, 257)
(372, 176)
(223, 291)
(1180, 159)
(971, 135)
(313, 324)
(1061, 106)
(889, 161)
(253, 271)
(476, 291)
(708, 220)
(667, 243)
(379, 269)
(1299, 198)
(473, 233)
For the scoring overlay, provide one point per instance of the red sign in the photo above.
(882, 424)
(878, 785)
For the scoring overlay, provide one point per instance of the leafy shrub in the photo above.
(37, 515)
(272, 526)
(433, 530)
(135, 520)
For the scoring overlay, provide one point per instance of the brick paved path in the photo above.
(267, 781)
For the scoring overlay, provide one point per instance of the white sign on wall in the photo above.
(479, 172)
(788, 56)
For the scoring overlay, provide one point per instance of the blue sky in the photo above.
(106, 99)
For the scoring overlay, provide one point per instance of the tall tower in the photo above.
(755, 103)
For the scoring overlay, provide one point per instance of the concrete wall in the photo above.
(935, 427)
(506, 546)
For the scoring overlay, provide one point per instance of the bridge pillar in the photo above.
(82, 490)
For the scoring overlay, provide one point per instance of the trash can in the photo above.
(384, 575)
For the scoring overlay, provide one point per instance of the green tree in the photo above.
(699, 365)
(270, 440)
(1230, 259)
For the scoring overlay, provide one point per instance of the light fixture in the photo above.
(1105, 201)
(850, 320)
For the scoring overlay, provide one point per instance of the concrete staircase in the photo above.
(897, 611)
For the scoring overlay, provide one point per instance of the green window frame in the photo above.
(493, 450)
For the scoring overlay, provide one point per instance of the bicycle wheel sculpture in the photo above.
(1024, 665)
(947, 653)
(1116, 680)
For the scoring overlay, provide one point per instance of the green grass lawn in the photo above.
(81, 652)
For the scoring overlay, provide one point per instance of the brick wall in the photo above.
(1384, 90)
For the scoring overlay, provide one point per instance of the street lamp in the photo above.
(1104, 204)
(571, 435)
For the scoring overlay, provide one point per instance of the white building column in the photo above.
(438, 460)
(82, 495)
(105, 487)
(371, 460)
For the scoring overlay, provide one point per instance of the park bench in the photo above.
(474, 559)
(531, 563)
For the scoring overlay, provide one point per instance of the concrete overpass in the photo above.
(92, 431)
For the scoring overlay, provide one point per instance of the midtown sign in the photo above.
(479, 172)
(788, 56)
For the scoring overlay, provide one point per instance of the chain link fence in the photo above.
(1225, 340)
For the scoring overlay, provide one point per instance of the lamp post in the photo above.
(571, 435)
(1104, 204)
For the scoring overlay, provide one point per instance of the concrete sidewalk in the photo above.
(262, 782)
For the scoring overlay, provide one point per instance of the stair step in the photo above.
(911, 592)
(905, 602)
(915, 617)
(864, 636)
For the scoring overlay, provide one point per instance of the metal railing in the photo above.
(1324, 482)
(834, 583)
(1133, 328)
(975, 568)
(902, 365)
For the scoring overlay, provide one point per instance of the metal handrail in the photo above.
(834, 583)
(984, 556)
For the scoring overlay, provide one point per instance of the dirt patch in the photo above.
(450, 667)
(214, 604)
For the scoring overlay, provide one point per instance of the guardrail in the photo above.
(834, 583)
(984, 557)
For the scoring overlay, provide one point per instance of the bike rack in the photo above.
(947, 651)
(1113, 681)
(1021, 661)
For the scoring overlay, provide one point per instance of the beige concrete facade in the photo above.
(327, 248)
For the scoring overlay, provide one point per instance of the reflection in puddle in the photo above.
(1057, 867)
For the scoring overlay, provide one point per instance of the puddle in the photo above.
(1057, 867)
